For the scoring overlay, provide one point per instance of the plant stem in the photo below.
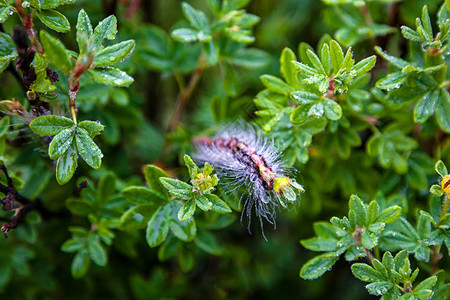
(185, 94)
(377, 253)
(74, 114)
(435, 257)
(180, 81)
(27, 20)
(370, 121)
(370, 256)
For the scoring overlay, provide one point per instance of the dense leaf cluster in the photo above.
(364, 115)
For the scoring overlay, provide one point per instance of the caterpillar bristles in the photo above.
(242, 157)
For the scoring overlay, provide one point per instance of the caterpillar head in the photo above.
(286, 189)
(445, 183)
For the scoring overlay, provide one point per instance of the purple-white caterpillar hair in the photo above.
(242, 156)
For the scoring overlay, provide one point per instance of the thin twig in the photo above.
(185, 95)
(133, 7)
(14, 201)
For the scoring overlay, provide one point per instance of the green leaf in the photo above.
(61, 143)
(111, 76)
(443, 111)
(316, 62)
(50, 124)
(54, 20)
(195, 17)
(186, 259)
(287, 68)
(379, 288)
(218, 205)
(326, 58)
(326, 239)
(372, 212)
(410, 34)
(348, 60)
(249, 58)
(55, 52)
(203, 203)
(427, 284)
(392, 81)
(365, 272)
(368, 239)
(398, 62)
(152, 174)
(113, 54)
(8, 50)
(177, 187)
(337, 55)
(305, 69)
(158, 226)
(299, 115)
(184, 230)
(107, 28)
(66, 165)
(93, 128)
(207, 242)
(4, 125)
(142, 195)
(5, 12)
(358, 207)
(187, 210)
(440, 168)
(211, 51)
(426, 106)
(88, 150)
(304, 97)
(390, 214)
(72, 245)
(169, 249)
(426, 21)
(332, 110)
(84, 30)
(80, 264)
(316, 267)
(136, 217)
(354, 252)
(79, 207)
(191, 166)
(185, 35)
(50, 4)
(365, 65)
(105, 189)
(97, 253)
(275, 84)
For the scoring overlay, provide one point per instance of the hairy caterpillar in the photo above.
(242, 157)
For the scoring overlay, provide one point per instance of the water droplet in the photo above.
(11, 12)
(25, 4)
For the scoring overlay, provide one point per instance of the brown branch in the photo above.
(23, 63)
(17, 218)
(133, 7)
(185, 95)
(14, 201)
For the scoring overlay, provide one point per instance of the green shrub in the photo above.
(101, 198)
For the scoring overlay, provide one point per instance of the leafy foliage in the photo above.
(353, 94)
